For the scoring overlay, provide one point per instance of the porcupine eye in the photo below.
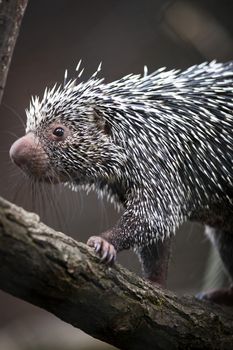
(59, 132)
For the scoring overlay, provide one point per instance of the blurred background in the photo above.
(124, 35)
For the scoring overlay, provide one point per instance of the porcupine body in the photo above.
(159, 145)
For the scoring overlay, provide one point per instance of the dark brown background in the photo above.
(124, 35)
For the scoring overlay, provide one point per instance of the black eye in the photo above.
(59, 132)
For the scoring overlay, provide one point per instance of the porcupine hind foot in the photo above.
(223, 296)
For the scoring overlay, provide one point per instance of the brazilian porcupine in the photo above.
(160, 145)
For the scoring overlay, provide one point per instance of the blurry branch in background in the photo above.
(11, 14)
(201, 30)
(64, 277)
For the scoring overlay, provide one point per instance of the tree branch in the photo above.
(11, 14)
(51, 270)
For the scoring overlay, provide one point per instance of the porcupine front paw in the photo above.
(223, 296)
(105, 249)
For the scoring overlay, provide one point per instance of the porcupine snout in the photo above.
(28, 154)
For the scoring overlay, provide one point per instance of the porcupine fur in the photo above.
(160, 145)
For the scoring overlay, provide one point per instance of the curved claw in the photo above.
(200, 296)
(97, 247)
(105, 249)
(112, 255)
(104, 256)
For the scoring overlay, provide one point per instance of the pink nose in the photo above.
(21, 150)
(29, 154)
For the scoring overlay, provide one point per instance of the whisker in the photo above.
(11, 133)
(11, 109)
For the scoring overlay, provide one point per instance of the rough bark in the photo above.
(11, 14)
(64, 277)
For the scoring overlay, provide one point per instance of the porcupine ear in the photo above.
(102, 123)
